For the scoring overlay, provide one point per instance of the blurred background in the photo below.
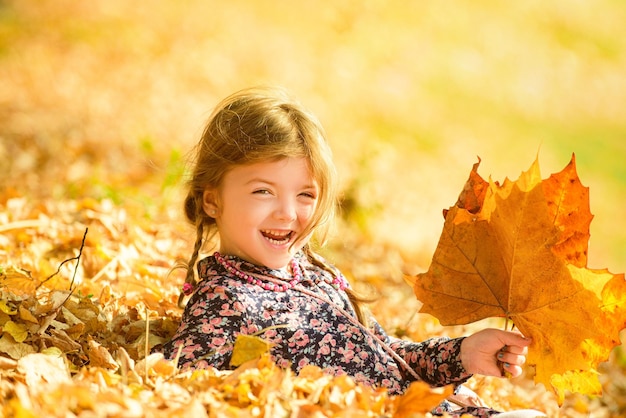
(105, 98)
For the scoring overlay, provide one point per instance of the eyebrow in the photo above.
(259, 180)
(272, 183)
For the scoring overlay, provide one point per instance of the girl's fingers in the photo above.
(511, 358)
(516, 349)
(512, 369)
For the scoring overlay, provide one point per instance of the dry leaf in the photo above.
(420, 398)
(40, 369)
(248, 347)
(52, 351)
(17, 331)
(14, 349)
(60, 339)
(70, 318)
(521, 255)
(26, 315)
(7, 307)
(154, 365)
(18, 282)
(100, 356)
(7, 363)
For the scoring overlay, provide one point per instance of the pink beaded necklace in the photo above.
(337, 282)
(284, 286)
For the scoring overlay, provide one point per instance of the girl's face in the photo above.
(261, 208)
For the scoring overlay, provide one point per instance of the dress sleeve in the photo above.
(436, 361)
(211, 321)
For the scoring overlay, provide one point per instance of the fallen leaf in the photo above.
(100, 356)
(70, 318)
(60, 339)
(52, 351)
(17, 331)
(7, 307)
(21, 406)
(155, 364)
(7, 363)
(58, 298)
(18, 281)
(14, 349)
(40, 369)
(26, 315)
(522, 255)
(419, 398)
(248, 347)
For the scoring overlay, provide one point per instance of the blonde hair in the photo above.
(257, 125)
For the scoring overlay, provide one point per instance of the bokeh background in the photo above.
(104, 100)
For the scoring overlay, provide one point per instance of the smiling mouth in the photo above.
(277, 237)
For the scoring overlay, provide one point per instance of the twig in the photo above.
(80, 253)
(77, 258)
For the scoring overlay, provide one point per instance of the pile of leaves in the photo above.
(85, 296)
(86, 293)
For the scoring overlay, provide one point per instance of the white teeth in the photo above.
(277, 237)
(276, 233)
(273, 241)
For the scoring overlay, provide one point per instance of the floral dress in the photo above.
(312, 323)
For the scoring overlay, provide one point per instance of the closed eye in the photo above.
(309, 195)
(261, 191)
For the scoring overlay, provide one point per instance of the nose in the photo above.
(286, 209)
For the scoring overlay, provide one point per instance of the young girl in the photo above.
(263, 184)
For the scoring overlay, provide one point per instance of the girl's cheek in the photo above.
(307, 212)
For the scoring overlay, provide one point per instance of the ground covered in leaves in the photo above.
(85, 294)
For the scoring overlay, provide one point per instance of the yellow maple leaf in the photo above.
(520, 252)
(248, 347)
(19, 332)
(575, 381)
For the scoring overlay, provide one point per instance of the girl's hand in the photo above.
(484, 352)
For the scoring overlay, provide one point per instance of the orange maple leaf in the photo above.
(419, 398)
(519, 250)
